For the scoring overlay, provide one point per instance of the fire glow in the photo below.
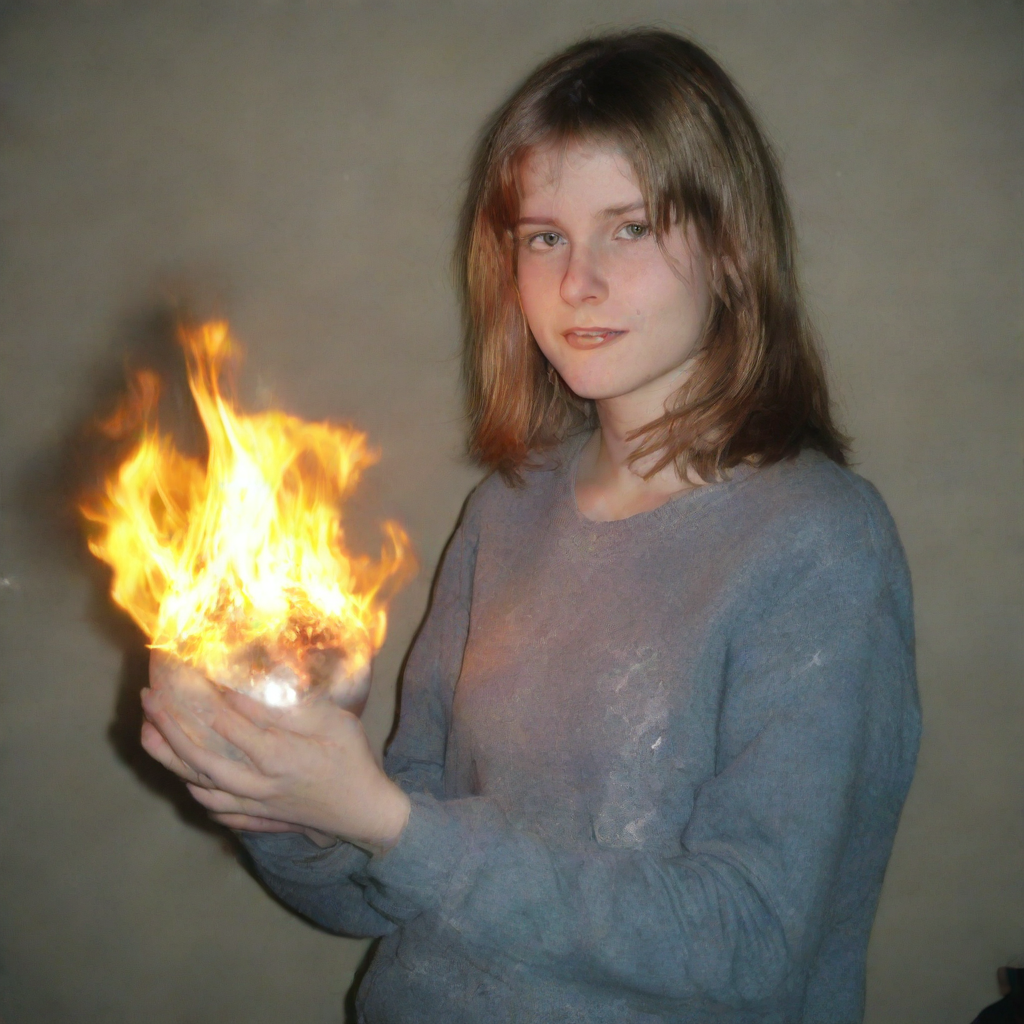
(240, 567)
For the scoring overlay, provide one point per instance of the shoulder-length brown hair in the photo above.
(757, 392)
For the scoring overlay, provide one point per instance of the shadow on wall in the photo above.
(1009, 1009)
(48, 495)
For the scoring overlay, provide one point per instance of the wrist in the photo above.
(394, 809)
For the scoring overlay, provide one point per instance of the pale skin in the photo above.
(619, 317)
(311, 769)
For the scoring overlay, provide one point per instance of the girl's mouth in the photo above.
(592, 337)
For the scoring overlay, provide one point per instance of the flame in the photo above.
(247, 553)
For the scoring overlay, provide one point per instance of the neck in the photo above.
(620, 418)
(611, 486)
(617, 445)
(612, 449)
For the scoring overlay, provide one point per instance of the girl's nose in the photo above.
(584, 279)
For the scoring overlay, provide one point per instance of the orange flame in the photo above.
(247, 553)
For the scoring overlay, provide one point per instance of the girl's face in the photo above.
(614, 314)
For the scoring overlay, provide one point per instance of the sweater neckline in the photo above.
(681, 504)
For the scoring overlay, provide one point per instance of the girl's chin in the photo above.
(649, 405)
(595, 393)
(599, 379)
(586, 378)
(583, 389)
(654, 384)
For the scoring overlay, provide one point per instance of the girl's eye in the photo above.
(543, 240)
(634, 231)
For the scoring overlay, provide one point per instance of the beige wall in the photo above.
(296, 165)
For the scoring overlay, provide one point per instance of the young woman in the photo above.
(661, 718)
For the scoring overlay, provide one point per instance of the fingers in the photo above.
(218, 801)
(158, 748)
(223, 772)
(251, 823)
(255, 741)
(267, 735)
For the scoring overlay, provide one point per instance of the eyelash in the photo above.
(530, 239)
(645, 230)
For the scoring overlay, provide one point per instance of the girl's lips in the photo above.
(591, 338)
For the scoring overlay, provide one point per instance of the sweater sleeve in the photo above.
(328, 885)
(743, 905)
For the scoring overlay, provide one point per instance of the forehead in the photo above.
(595, 174)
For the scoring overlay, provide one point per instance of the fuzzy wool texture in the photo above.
(656, 765)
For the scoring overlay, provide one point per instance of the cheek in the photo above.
(544, 338)
(538, 291)
(667, 303)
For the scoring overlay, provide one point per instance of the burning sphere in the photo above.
(239, 567)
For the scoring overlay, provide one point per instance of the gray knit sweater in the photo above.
(656, 765)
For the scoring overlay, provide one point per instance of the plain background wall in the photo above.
(296, 166)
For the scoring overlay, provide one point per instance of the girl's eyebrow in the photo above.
(611, 211)
(618, 211)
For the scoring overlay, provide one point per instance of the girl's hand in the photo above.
(159, 749)
(309, 767)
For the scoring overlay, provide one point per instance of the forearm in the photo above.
(321, 876)
(316, 881)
